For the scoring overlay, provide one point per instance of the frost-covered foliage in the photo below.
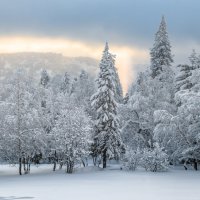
(118, 87)
(168, 106)
(132, 135)
(66, 119)
(161, 56)
(132, 159)
(85, 88)
(148, 95)
(22, 136)
(154, 159)
(107, 139)
(179, 134)
(188, 122)
(151, 159)
(165, 133)
(165, 107)
(182, 80)
(138, 111)
(66, 84)
(72, 135)
(163, 130)
(194, 60)
(31, 109)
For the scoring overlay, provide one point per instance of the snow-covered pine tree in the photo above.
(107, 140)
(44, 80)
(161, 52)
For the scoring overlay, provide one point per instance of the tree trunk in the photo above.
(104, 158)
(54, 166)
(185, 165)
(195, 165)
(24, 164)
(28, 165)
(94, 160)
(83, 163)
(61, 164)
(54, 161)
(20, 166)
(70, 167)
(67, 170)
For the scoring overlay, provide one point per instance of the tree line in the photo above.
(66, 120)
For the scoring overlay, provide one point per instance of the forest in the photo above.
(69, 121)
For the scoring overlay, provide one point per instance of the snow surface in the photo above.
(94, 183)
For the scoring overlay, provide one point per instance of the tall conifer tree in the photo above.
(107, 139)
(161, 52)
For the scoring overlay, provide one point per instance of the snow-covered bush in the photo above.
(154, 159)
(132, 159)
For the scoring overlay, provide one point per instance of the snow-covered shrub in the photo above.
(154, 159)
(132, 159)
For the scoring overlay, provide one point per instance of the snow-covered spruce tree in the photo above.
(182, 80)
(194, 80)
(126, 98)
(71, 134)
(107, 137)
(66, 84)
(195, 72)
(44, 80)
(194, 60)
(161, 52)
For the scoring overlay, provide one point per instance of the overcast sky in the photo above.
(128, 25)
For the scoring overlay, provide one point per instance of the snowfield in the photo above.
(92, 183)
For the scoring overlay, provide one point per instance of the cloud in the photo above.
(81, 27)
(128, 21)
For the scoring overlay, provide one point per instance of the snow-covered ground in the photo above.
(96, 184)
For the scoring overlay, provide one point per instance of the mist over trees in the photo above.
(67, 120)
